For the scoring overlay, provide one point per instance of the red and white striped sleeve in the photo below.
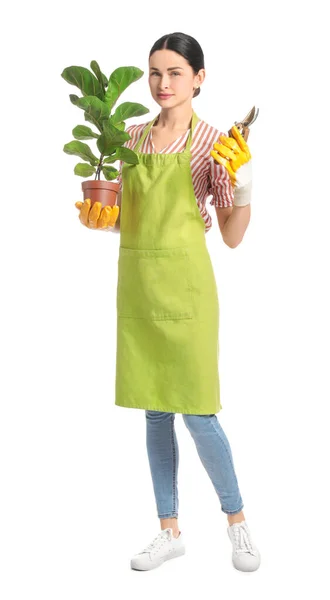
(135, 132)
(219, 182)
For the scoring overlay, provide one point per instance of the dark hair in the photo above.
(185, 45)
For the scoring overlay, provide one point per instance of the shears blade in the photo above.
(244, 125)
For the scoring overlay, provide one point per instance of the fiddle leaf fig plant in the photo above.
(99, 96)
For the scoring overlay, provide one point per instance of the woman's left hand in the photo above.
(235, 156)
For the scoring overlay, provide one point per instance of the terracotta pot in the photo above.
(99, 190)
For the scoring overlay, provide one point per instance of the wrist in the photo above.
(242, 196)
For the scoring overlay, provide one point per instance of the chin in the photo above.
(165, 103)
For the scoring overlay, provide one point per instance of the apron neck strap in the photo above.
(194, 121)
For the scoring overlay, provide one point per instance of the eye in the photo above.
(173, 73)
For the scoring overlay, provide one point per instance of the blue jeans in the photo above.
(213, 449)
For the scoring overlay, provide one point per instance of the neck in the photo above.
(173, 119)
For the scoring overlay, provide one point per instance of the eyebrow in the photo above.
(170, 69)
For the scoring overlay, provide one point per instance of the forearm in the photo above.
(236, 225)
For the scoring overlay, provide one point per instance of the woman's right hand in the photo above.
(97, 217)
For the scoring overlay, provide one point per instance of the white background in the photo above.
(76, 493)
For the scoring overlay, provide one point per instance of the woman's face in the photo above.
(178, 82)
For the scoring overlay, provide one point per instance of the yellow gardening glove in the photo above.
(97, 217)
(235, 155)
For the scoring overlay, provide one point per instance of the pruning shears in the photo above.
(244, 125)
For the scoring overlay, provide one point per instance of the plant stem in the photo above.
(98, 170)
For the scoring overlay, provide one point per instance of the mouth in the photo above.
(164, 96)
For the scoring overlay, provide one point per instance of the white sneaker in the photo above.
(246, 556)
(164, 547)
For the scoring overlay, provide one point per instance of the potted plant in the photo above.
(99, 95)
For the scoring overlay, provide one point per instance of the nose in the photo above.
(163, 85)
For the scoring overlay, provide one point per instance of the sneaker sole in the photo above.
(154, 565)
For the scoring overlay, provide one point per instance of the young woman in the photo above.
(167, 303)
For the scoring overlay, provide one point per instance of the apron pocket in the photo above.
(154, 284)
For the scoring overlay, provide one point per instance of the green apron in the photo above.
(167, 303)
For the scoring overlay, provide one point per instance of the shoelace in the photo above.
(242, 539)
(158, 541)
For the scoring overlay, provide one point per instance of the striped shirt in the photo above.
(209, 177)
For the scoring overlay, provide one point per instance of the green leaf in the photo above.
(127, 155)
(121, 125)
(96, 111)
(110, 173)
(82, 150)
(111, 136)
(95, 122)
(84, 170)
(126, 110)
(73, 98)
(81, 132)
(84, 80)
(119, 80)
(88, 117)
(124, 154)
(103, 81)
(95, 107)
(111, 151)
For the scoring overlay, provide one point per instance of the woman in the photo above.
(167, 303)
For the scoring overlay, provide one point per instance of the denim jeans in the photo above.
(213, 449)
